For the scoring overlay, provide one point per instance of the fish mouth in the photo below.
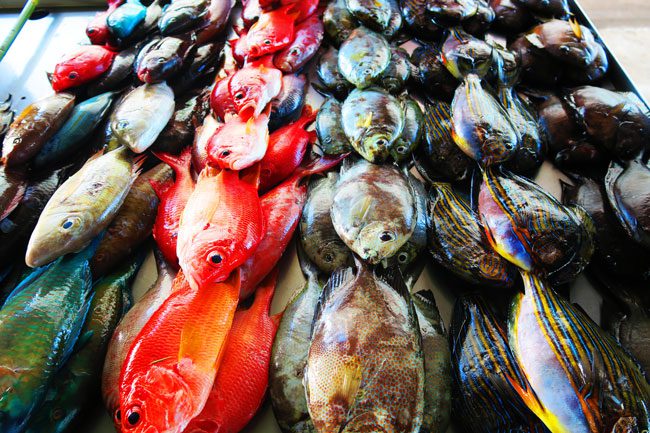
(247, 111)
(144, 75)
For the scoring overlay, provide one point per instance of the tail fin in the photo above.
(318, 165)
(307, 117)
(180, 164)
(265, 291)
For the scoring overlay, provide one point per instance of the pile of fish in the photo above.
(163, 136)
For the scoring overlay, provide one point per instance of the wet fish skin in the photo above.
(417, 19)
(451, 12)
(82, 207)
(239, 143)
(372, 120)
(318, 238)
(353, 362)
(376, 15)
(33, 127)
(457, 241)
(123, 21)
(80, 66)
(338, 21)
(431, 74)
(373, 210)
(165, 59)
(142, 115)
(331, 80)
(308, 36)
(205, 60)
(398, 71)
(363, 57)
(117, 73)
(288, 104)
(411, 136)
(84, 118)
(289, 355)
(12, 189)
(182, 15)
(331, 137)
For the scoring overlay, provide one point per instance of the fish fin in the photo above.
(265, 291)
(161, 188)
(290, 11)
(251, 175)
(179, 163)
(348, 380)
(30, 279)
(575, 27)
(307, 117)
(338, 279)
(75, 329)
(138, 162)
(308, 268)
(318, 165)
(394, 278)
(531, 400)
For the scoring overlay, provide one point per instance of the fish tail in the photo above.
(161, 188)
(265, 291)
(318, 165)
(307, 117)
(137, 165)
(290, 10)
(179, 163)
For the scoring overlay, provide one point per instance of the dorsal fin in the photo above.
(338, 279)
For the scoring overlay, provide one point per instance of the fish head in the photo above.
(379, 240)
(66, 75)
(97, 30)
(288, 60)
(497, 150)
(375, 146)
(127, 130)
(53, 232)
(241, 146)
(272, 32)
(210, 261)
(248, 89)
(156, 66)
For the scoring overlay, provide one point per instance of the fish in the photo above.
(373, 14)
(281, 209)
(165, 59)
(394, 26)
(128, 328)
(116, 75)
(169, 371)
(40, 323)
(437, 365)
(458, 241)
(373, 210)
(304, 9)
(16, 227)
(541, 235)
(173, 196)
(464, 54)
(221, 101)
(511, 16)
(142, 115)
(580, 379)
(81, 66)
(397, 73)
(272, 32)
(181, 16)
(432, 75)
(68, 394)
(221, 227)
(97, 29)
(146, 27)
(417, 19)
(331, 137)
(451, 12)
(365, 373)
(13, 184)
(373, 120)
(338, 21)
(363, 57)
(484, 370)
(251, 11)
(239, 144)
(628, 195)
(84, 118)
(553, 8)
(12, 277)
(318, 239)
(215, 21)
(204, 62)
(481, 22)
(201, 139)
(289, 355)
(242, 379)
(132, 224)
(568, 42)
(286, 150)
(6, 116)
(253, 87)
(330, 80)
(34, 126)
(124, 20)
(307, 38)
(288, 104)
(412, 133)
(82, 207)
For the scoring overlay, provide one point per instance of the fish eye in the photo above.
(367, 71)
(267, 42)
(239, 95)
(294, 51)
(386, 236)
(402, 258)
(90, 31)
(57, 414)
(73, 75)
(69, 223)
(160, 60)
(329, 258)
(133, 418)
(401, 149)
(380, 142)
(225, 153)
(123, 124)
(215, 258)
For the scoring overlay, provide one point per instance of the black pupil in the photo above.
(118, 415)
(401, 149)
(267, 42)
(72, 75)
(385, 237)
(67, 224)
(216, 259)
(91, 31)
(239, 95)
(328, 257)
(402, 258)
(225, 153)
(133, 418)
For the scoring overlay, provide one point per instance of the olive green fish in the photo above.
(363, 57)
(375, 14)
(83, 206)
(331, 138)
(398, 71)
(338, 21)
(411, 136)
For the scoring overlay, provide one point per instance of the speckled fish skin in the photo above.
(458, 242)
(82, 207)
(373, 210)
(363, 57)
(40, 324)
(132, 224)
(319, 240)
(68, 395)
(129, 327)
(338, 21)
(331, 138)
(289, 355)
(330, 80)
(12, 189)
(531, 229)
(84, 118)
(482, 367)
(16, 228)
(412, 133)
(365, 370)
(437, 365)
(33, 127)
(142, 115)
(581, 380)
(373, 120)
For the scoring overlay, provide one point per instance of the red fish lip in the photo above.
(247, 111)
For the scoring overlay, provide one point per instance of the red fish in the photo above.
(304, 8)
(306, 41)
(221, 227)
(272, 32)
(171, 366)
(251, 12)
(97, 30)
(220, 101)
(81, 66)
(201, 138)
(242, 379)
(287, 147)
(253, 87)
(173, 197)
(281, 208)
(239, 144)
